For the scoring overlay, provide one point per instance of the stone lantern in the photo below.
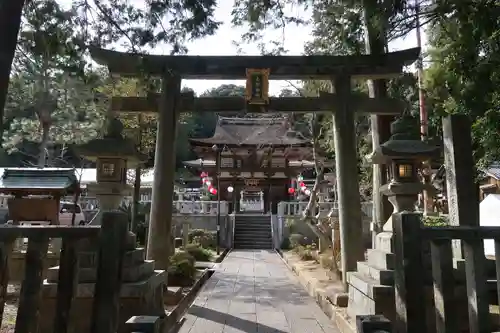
(403, 154)
(113, 154)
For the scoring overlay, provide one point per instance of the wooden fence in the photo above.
(410, 239)
(111, 238)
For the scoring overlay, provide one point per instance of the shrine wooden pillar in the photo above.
(346, 161)
(160, 220)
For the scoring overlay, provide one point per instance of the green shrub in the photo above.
(298, 240)
(305, 253)
(285, 244)
(435, 221)
(204, 238)
(199, 253)
(182, 266)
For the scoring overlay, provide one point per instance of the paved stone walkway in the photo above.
(253, 291)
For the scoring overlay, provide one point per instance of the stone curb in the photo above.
(333, 312)
(174, 318)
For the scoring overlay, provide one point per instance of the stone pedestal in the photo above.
(371, 286)
(141, 291)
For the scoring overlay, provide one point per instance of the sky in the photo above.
(222, 43)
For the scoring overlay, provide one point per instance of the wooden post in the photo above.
(112, 245)
(477, 292)
(67, 283)
(347, 179)
(160, 221)
(5, 252)
(31, 289)
(408, 276)
(444, 286)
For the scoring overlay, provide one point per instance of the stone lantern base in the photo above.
(141, 292)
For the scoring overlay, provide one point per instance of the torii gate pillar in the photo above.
(160, 218)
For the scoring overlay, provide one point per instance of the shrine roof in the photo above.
(493, 170)
(253, 132)
(40, 180)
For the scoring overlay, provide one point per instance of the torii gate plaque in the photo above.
(343, 103)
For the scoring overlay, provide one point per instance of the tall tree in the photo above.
(51, 100)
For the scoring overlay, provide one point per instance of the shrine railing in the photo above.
(413, 307)
(292, 208)
(201, 207)
(111, 239)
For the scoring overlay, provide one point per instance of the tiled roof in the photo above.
(253, 132)
(38, 179)
(493, 170)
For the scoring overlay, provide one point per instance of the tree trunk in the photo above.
(44, 145)
(10, 22)
(135, 198)
(376, 43)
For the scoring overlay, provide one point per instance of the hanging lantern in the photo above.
(291, 190)
(230, 189)
(300, 178)
(301, 185)
(307, 192)
(208, 183)
(203, 174)
(213, 191)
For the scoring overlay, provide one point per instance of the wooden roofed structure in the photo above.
(340, 70)
(256, 154)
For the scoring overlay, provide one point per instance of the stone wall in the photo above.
(17, 265)
(206, 222)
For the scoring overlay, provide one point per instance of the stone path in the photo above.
(253, 291)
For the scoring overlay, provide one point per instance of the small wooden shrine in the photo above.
(256, 155)
(36, 193)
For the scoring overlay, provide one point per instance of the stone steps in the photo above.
(253, 232)
(381, 259)
(368, 286)
(381, 276)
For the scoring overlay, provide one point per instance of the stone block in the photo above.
(144, 324)
(381, 276)
(142, 298)
(131, 258)
(381, 259)
(369, 286)
(17, 265)
(372, 324)
(129, 274)
(362, 304)
(384, 242)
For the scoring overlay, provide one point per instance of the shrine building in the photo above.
(259, 157)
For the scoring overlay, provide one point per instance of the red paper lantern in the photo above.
(302, 185)
(291, 190)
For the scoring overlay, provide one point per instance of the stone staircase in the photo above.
(253, 232)
(371, 286)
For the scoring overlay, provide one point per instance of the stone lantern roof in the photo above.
(112, 145)
(403, 144)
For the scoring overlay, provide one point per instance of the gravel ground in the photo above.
(10, 309)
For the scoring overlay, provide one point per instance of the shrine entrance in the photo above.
(342, 104)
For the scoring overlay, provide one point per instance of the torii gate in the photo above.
(342, 103)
